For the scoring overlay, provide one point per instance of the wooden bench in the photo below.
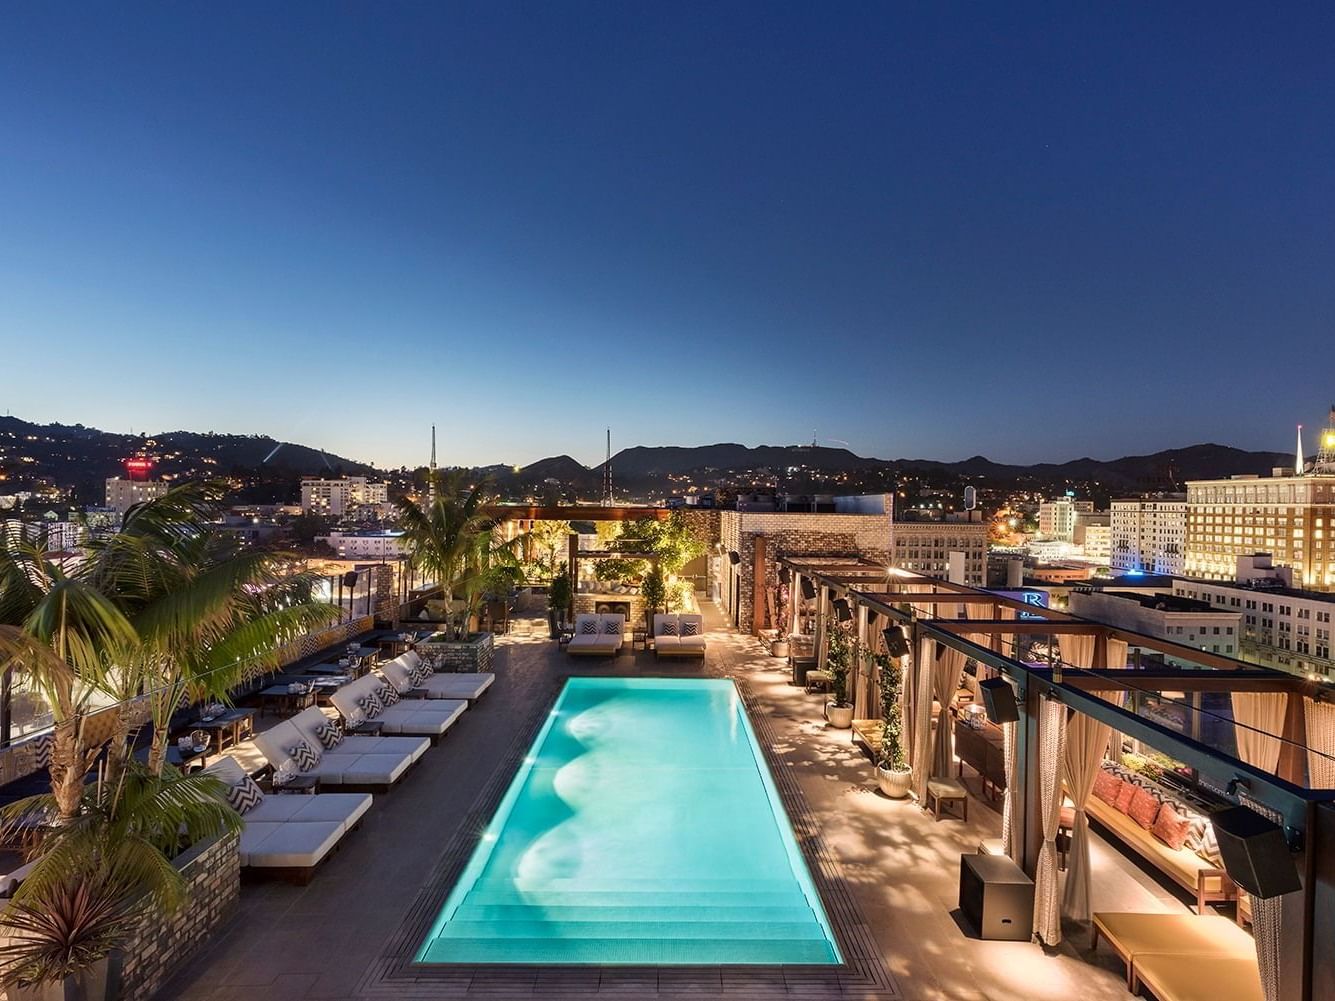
(944, 791)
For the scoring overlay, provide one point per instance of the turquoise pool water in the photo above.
(642, 828)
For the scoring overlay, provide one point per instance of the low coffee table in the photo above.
(298, 785)
(283, 701)
(371, 728)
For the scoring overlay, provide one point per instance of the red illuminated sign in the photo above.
(138, 468)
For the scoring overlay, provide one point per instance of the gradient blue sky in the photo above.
(925, 230)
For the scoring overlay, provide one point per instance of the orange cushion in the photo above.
(1107, 786)
(1144, 808)
(1125, 795)
(1170, 827)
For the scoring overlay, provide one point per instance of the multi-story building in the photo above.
(1056, 518)
(1283, 627)
(365, 545)
(1149, 534)
(952, 549)
(341, 497)
(1164, 616)
(123, 494)
(1093, 535)
(1291, 517)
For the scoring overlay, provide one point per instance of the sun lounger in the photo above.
(679, 635)
(309, 721)
(374, 770)
(597, 635)
(448, 685)
(291, 834)
(407, 718)
(1133, 936)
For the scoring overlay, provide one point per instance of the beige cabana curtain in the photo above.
(1258, 719)
(947, 666)
(1320, 744)
(921, 746)
(1051, 754)
(1009, 832)
(1267, 921)
(1086, 742)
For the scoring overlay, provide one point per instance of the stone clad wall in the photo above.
(473, 656)
(163, 943)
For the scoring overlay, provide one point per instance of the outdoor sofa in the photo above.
(288, 834)
(414, 718)
(597, 635)
(679, 635)
(407, 674)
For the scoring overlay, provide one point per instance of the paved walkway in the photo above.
(330, 940)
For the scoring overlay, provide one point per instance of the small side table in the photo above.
(298, 785)
(639, 640)
(371, 728)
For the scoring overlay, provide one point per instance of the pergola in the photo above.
(1091, 684)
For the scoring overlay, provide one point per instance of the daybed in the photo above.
(351, 769)
(1136, 937)
(407, 675)
(415, 718)
(1186, 978)
(597, 635)
(679, 635)
(1187, 866)
(289, 834)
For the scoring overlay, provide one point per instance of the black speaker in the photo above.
(896, 643)
(999, 700)
(350, 579)
(734, 558)
(842, 610)
(808, 588)
(785, 575)
(1255, 854)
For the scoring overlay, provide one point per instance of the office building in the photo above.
(343, 496)
(1149, 534)
(123, 493)
(1056, 518)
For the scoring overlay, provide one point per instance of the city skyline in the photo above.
(925, 233)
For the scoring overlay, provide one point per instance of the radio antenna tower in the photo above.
(431, 472)
(607, 472)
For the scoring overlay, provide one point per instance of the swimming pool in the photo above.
(643, 828)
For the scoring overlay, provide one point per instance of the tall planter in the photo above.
(99, 982)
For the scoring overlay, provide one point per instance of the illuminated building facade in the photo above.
(342, 496)
(1149, 534)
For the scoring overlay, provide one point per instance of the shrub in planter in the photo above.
(892, 766)
(838, 661)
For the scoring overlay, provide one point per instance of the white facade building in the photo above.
(340, 497)
(1171, 617)
(1149, 534)
(925, 547)
(123, 494)
(1283, 627)
(1056, 518)
(365, 545)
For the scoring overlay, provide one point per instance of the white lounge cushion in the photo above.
(691, 642)
(361, 769)
(418, 718)
(227, 771)
(457, 686)
(667, 642)
(274, 742)
(410, 659)
(414, 747)
(665, 625)
(345, 808)
(398, 674)
(290, 845)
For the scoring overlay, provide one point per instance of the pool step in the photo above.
(680, 912)
(629, 951)
(535, 927)
(693, 885)
(667, 897)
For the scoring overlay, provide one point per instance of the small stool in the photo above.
(945, 791)
(819, 681)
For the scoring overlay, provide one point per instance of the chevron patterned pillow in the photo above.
(329, 735)
(245, 795)
(304, 755)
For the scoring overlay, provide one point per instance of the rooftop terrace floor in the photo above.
(888, 872)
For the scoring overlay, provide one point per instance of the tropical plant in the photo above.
(654, 590)
(546, 542)
(452, 541)
(892, 756)
(839, 661)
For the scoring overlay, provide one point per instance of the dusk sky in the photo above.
(927, 230)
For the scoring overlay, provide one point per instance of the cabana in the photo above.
(1235, 736)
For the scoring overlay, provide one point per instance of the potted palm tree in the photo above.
(893, 774)
(839, 661)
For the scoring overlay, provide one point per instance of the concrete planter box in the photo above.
(468, 656)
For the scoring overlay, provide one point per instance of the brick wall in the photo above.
(477, 654)
(790, 533)
(163, 943)
(386, 602)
